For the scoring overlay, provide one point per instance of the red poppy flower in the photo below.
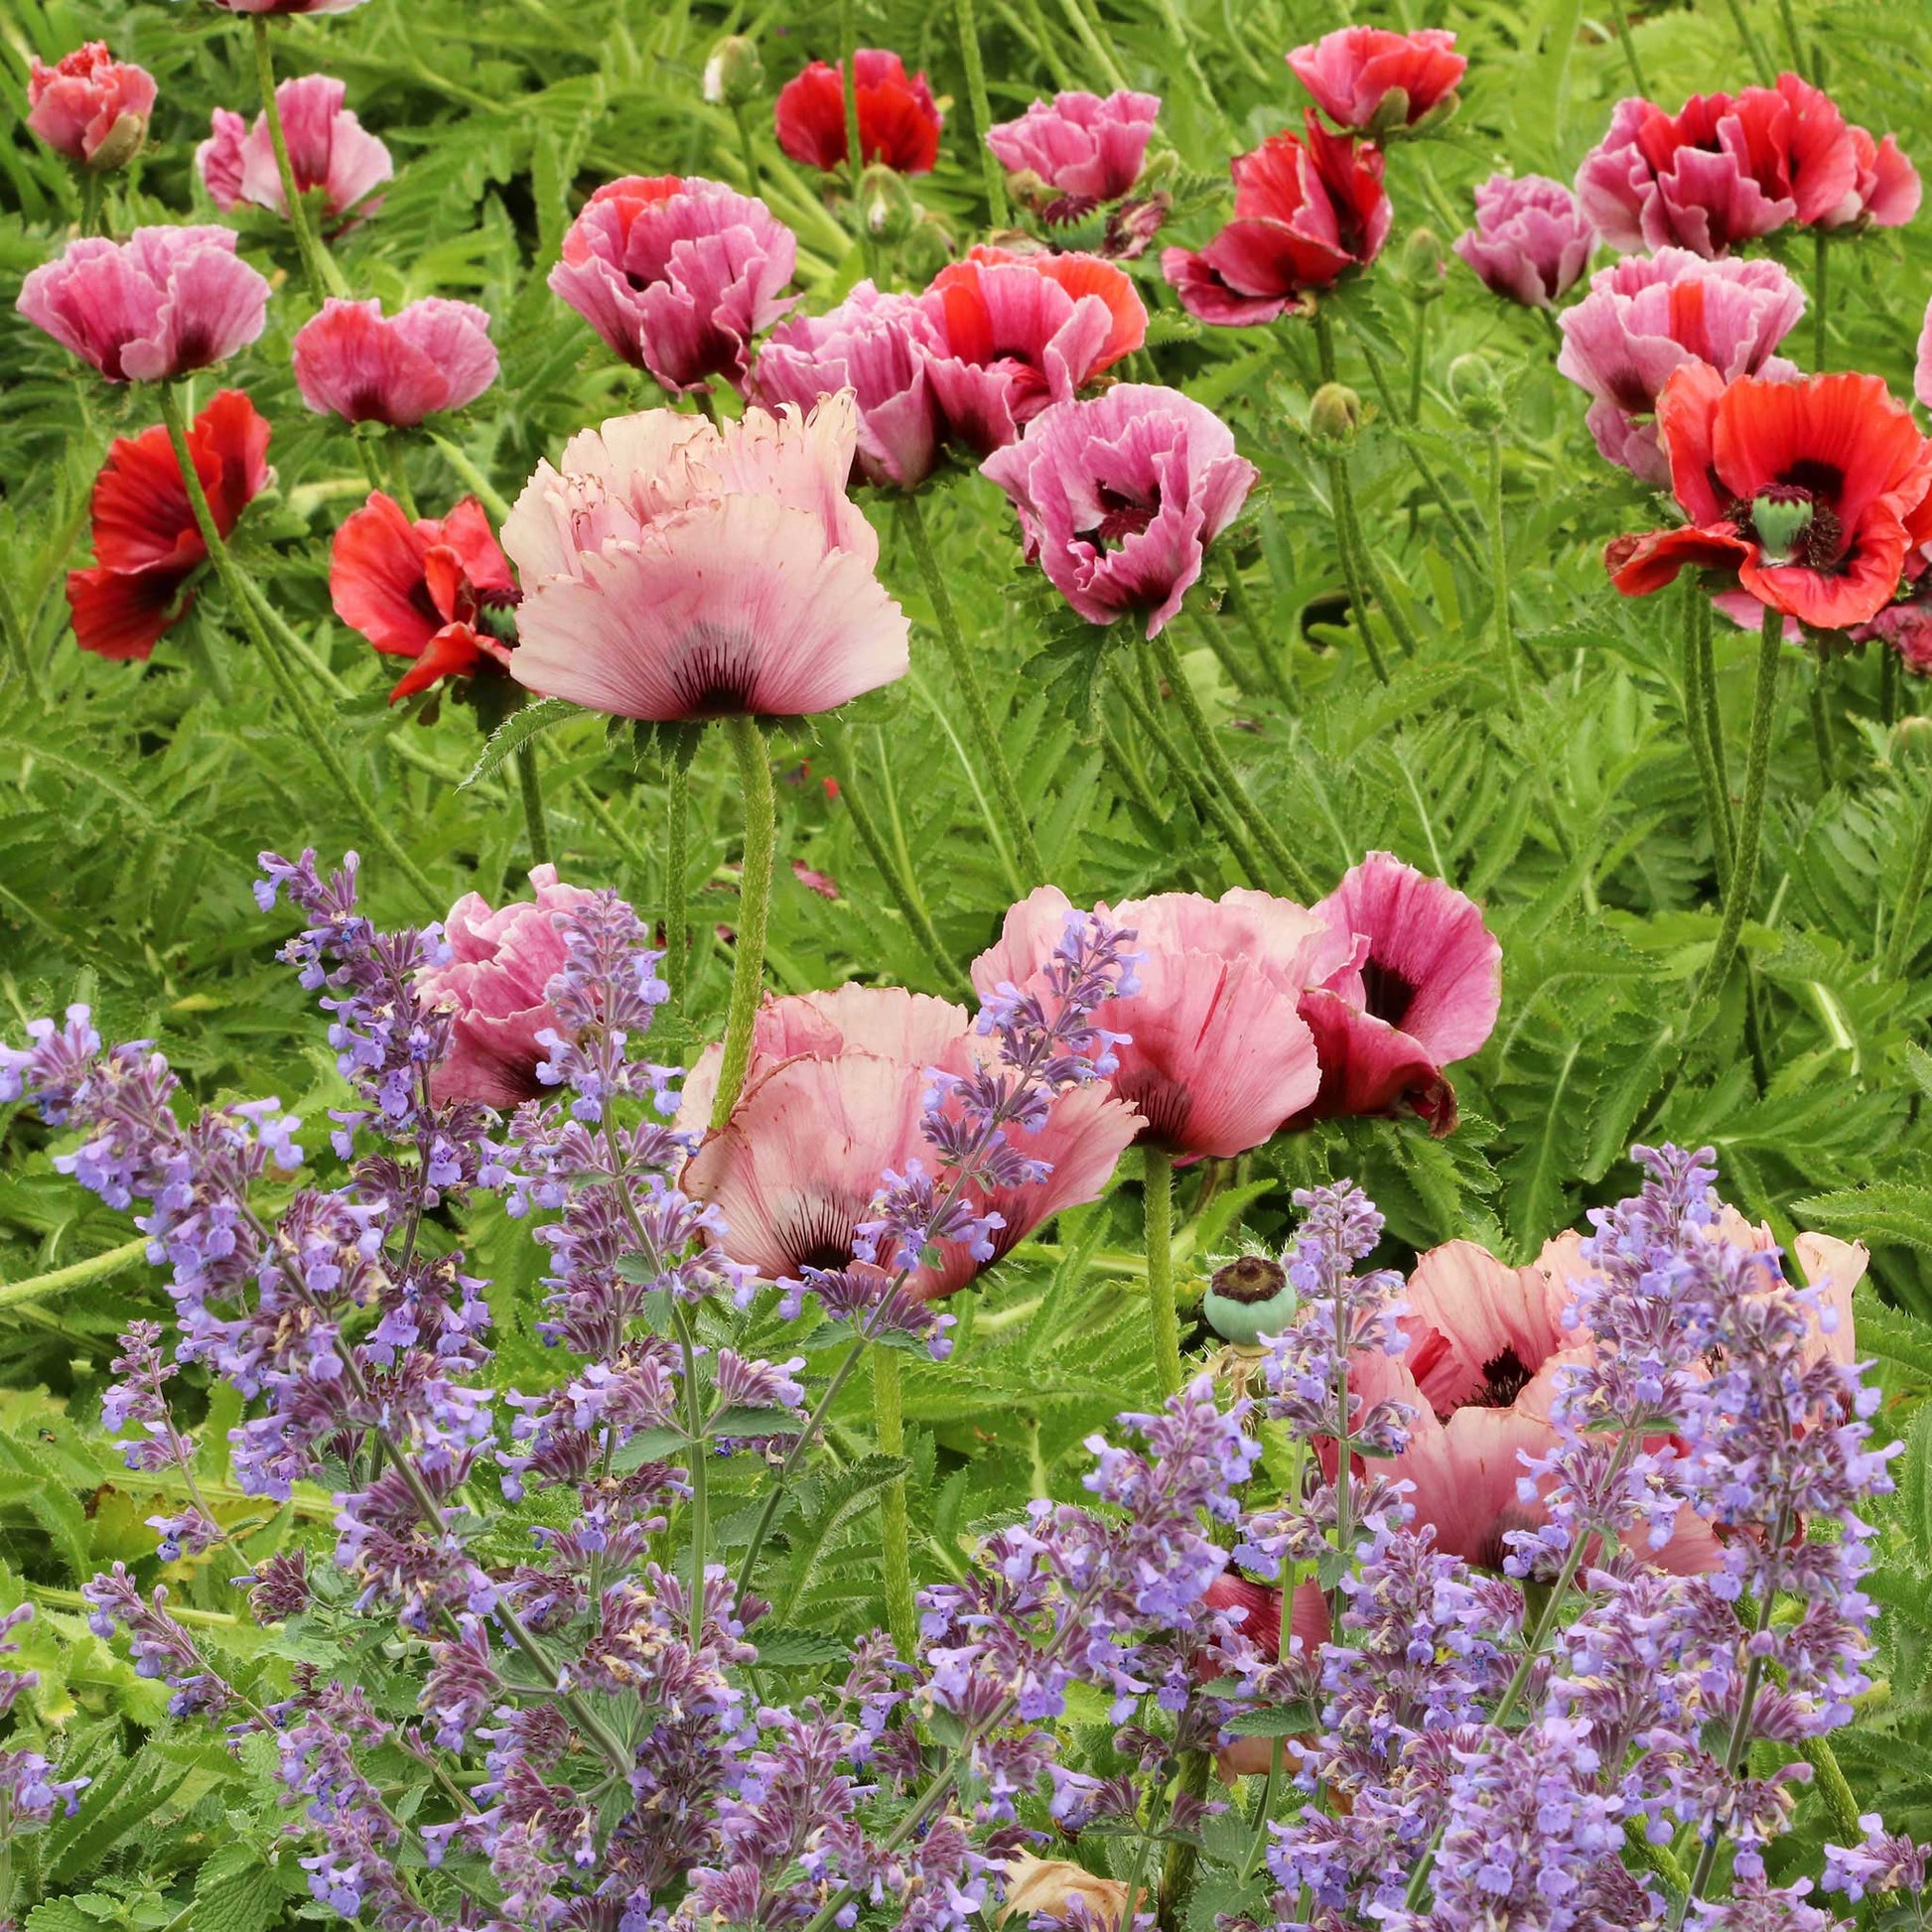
(1809, 495)
(421, 589)
(146, 541)
(1306, 212)
(899, 120)
(1369, 80)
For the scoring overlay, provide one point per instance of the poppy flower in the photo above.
(835, 1096)
(1307, 208)
(1887, 192)
(162, 304)
(1531, 240)
(1217, 1057)
(1254, 1610)
(1120, 495)
(673, 570)
(1369, 80)
(329, 149)
(1808, 495)
(677, 275)
(147, 543)
(89, 106)
(1420, 986)
(899, 119)
(287, 6)
(353, 361)
(1012, 333)
(1085, 148)
(425, 590)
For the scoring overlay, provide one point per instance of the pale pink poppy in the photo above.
(329, 149)
(833, 1098)
(499, 964)
(1088, 147)
(353, 361)
(1421, 988)
(1531, 240)
(160, 304)
(1218, 1057)
(1370, 81)
(89, 106)
(672, 570)
(1120, 495)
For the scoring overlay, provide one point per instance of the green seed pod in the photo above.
(1249, 1298)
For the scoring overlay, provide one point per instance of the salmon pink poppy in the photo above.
(329, 149)
(353, 361)
(1085, 148)
(434, 590)
(1306, 210)
(89, 106)
(147, 543)
(677, 275)
(673, 570)
(1807, 495)
(1369, 80)
(1420, 986)
(1217, 1057)
(834, 1097)
(1012, 333)
(899, 119)
(1531, 240)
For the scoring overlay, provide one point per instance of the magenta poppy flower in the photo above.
(329, 149)
(1218, 1057)
(89, 106)
(1887, 190)
(878, 345)
(160, 304)
(671, 570)
(834, 1097)
(1646, 316)
(677, 275)
(353, 361)
(1120, 496)
(1531, 240)
(1089, 149)
(1369, 80)
(1421, 988)
(493, 982)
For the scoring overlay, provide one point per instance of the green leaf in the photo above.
(1279, 1721)
(753, 1422)
(781, 1649)
(516, 730)
(650, 1445)
(1882, 1210)
(235, 1891)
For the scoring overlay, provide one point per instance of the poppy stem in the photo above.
(991, 172)
(324, 278)
(486, 493)
(1342, 497)
(1821, 295)
(1418, 359)
(529, 781)
(696, 1462)
(1499, 579)
(1366, 568)
(677, 871)
(1623, 20)
(1821, 726)
(896, 1556)
(1018, 826)
(1760, 57)
(1750, 822)
(274, 653)
(1697, 701)
(1156, 1197)
(1899, 949)
(1453, 521)
(743, 117)
(855, 161)
(754, 909)
(395, 455)
(89, 202)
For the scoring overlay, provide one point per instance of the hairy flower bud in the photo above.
(1421, 265)
(1335, 414)
(1477, 392)
(891, 211)
(734, 75)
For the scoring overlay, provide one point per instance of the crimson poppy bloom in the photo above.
(147, 544)
(899, 120)
(422, 590)
(1306, 212)
(1370, 81)
(1808, 495)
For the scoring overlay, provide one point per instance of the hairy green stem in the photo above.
(1717, 817)
(1499, 579)
(1343, 499)
(677, 872)
(1754, 47)
(741, 115)
(1163, 1324)
(1820, 295)
(1790, 20)
(855, 161)
(396, 455)
(1714, 723)
(1821, 725)
(529, 782)
(1622, 18)
(696, 1469)
(1178, 1869)
(1274, 662)
(1452, 518)
(1899, 949)
(1418, 359)
(484, 491)
(76, 1274)
(991, 172)
(89, 202)
(754, 909)
(895, 1534)
(321, 272)
(1367, 569)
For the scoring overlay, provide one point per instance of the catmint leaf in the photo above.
(1279, 1721)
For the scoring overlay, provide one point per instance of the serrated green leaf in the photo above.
(516, 730)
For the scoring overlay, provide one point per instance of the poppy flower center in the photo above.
(717, 672)
(1504, 1378)
(1791, 523)
(1122, 517)
(1249, 1278)
(819, 1237)
(1386, 993)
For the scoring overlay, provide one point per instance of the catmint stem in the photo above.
(895, 1536)
(1018, 826)
(529, 781)
(76, 1274)
(753, 907)
(1623, 20)
(696, 1468)
(1899, 948)
(1222, 772)
(1177, 1870)
(677, 872)
(322, 276)
(1162, 1321)
(1696, 701)
(1821, 292)
(1751, 821)
(1499, 579)
(235, 581)
(992, 173)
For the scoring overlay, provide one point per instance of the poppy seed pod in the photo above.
(1248, 1298)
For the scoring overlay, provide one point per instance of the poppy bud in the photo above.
(733, 73)
(889, 209)
(928, 248)
(1911, 738)
(1335, 414)
(1247, 1298)
(1421, 265)
(1473, 387)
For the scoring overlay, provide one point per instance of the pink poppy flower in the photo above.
(1646, 316)
(877, 346)
(1887, 190)
(1830, 1268)
(288, 6)
(1370, 81)
(499, 964)
(1722, 171)
(1012, 333)
(1089, 149)
(834, 1097)
(1219, 1058)
(89, 106)
(1119, 496)
(1531, 240)
(1306, 210)
(354, 362)
(899, 119)
(329, 149)
(676, 570)
(160, 304)
(1421, 988)
(1255, 1611)
(677, 275)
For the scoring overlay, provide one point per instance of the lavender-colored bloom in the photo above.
(1881, 1862)
(1531, 240)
